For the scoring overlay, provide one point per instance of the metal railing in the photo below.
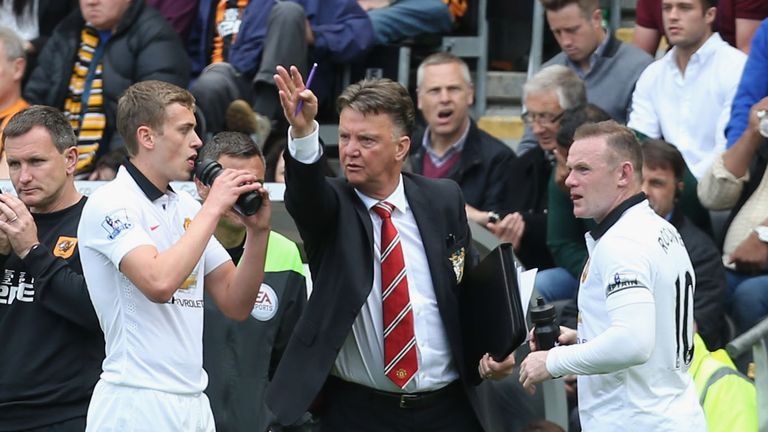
(757, 339)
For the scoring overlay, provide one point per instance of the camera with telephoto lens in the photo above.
(545, 331)
(246, 204)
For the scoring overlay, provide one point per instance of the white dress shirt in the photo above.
(361, 359)
(690, 108)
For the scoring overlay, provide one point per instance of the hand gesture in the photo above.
(488, 368)
(751, 256)
(533, 370)
(17, 225)
(510, 229)
(291, 90)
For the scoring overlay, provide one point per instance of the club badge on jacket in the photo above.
(457, 261)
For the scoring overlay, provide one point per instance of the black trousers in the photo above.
(354, 408)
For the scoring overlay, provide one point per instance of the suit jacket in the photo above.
(338, 239)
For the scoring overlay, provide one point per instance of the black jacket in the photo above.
(480, 170)
(526, 186)
(143, 47)
(52, 343)
(711, 288)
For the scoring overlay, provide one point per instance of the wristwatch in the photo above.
(762, 233)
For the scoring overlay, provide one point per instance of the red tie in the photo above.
(400, 363)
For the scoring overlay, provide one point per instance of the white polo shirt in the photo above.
(148, 345)
(633, 252)
(690, 109)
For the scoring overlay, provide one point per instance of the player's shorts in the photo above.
(116, 408)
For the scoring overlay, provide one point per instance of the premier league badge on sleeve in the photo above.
(457, 261)
(116, 223)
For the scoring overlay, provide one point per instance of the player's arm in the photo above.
(630, 337)
(234, 289)
(628, 341)
(159, 274)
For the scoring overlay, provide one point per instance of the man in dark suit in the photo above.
(375, 228)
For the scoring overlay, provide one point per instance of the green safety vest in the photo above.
(728, 397)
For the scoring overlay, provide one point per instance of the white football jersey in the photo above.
(637, 249)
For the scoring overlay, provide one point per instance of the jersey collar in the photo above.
(615, 215)
(146, 186)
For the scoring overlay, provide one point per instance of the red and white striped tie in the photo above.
(400, 360)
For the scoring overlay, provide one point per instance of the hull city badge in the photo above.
(266, 304)
(65, 247)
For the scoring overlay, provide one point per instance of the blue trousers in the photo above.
(748, 296)
(409, 18)
(556, 284)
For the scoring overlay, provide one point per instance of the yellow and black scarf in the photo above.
(84, 105)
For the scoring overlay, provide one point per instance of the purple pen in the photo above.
(306, 86)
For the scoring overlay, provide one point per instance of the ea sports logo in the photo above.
(265, 307)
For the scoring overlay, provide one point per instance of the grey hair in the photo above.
(13, 44)
(564, 82)
(439, 59)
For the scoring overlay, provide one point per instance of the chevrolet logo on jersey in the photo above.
(65, 247)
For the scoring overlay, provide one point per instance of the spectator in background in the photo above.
(452, 146)
(34, 21)
(179, 13)
(12, 66)
(241, 357)
(546, 96)
(752, 87)
(685, 98)
(235, 49)
(737, 21)
(395, 20)
(96, 53)
(663, 169)
(609, 67)
(737, 182)
(108, 165)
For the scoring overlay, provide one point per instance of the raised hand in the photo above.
(291, 89)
